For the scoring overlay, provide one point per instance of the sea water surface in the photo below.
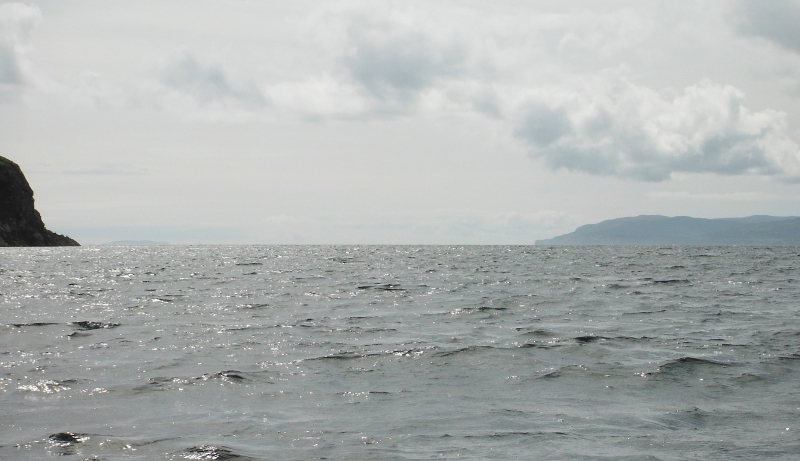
(399, 353)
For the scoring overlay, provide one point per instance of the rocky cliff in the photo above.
(20, 223)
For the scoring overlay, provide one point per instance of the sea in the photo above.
(400, 353)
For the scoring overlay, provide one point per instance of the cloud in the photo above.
(379, 61)
(621, 129)
(206, 83)
(318, 97)
(546, 76)
(9, 68)
(776, 20)
(550, 79)
(542, 125)
(395, 59)
(17, 22)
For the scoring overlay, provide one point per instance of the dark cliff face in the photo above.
(20, 223)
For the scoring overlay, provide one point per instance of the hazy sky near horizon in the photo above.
(397, 121)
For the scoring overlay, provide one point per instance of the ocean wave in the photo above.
(32, 324)
(65, 443)
(382, 287)
(165, 383)
(48, 386)
(692, 366)
(68, 438)
(210, 452)
(89, 325)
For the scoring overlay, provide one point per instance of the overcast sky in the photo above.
(245, 121)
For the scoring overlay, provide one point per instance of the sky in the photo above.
(397, 122)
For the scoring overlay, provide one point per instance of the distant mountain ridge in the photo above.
(759, 230)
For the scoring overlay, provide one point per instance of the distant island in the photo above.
(685, 231)
(20, 224)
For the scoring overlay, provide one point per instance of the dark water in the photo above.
(399, 353)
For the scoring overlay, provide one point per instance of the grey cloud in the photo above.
(639, 134)
(206, 82)
(9, 68)
(776, 20)
(487, 103)
(542, 125)
(17, 22)
(394, 63)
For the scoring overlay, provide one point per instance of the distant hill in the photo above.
(682, 230)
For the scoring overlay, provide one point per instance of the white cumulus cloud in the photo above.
(625, 130)
(382, 61)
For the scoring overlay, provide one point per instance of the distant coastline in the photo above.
(760, 230)
(136, 243)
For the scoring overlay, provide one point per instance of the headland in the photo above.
(20, 224)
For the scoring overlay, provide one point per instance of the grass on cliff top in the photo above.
(4, 160)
